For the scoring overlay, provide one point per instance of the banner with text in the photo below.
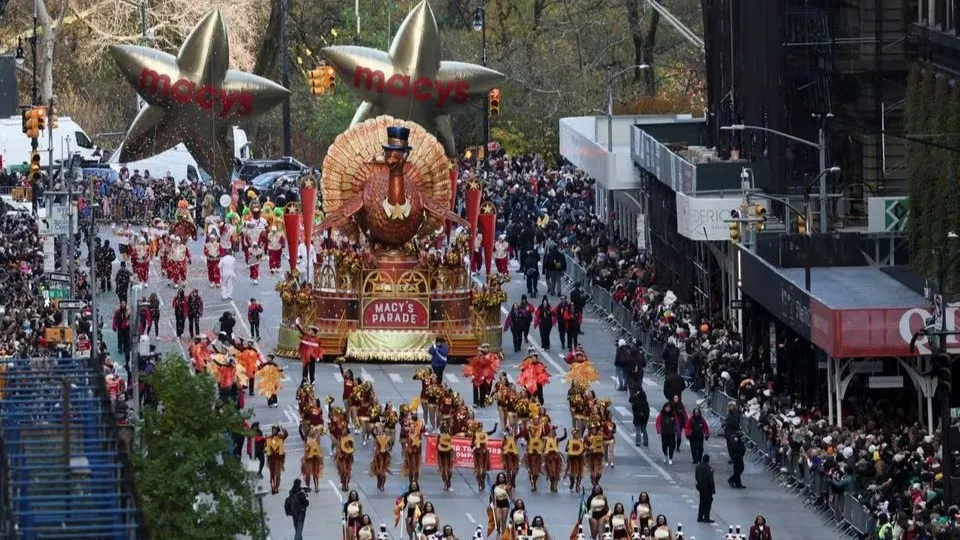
(706, 218)
(463, 453)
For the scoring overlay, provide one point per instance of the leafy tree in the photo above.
(190, 484)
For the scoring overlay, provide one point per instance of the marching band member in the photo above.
(447, 407)
(642, 512)
(179, 260)
(338, 427)
(429, 522)
(619, 523)
(609, 434)
(511, 457)
(481, 454)
(212, 251)
(274, 249)
(538, 530)
(344, 457)
(595, 450)
(349, 387)
(390, 418)
(575, 450)
(445, 457)
(352, 512)
(518, 517)
(363, 401)
(311, 466)
(499, 508)
(412, 508)
(412, 455)
(598, 507)
(552, 459)
(430, 394)
(533, 458)
(380, 464)
(365, 532)
(501, 392)
(141, 259)
(276, 455)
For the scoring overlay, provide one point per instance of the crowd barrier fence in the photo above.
(808, 481)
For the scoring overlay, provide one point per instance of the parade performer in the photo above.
(499, 507)
(575, 450)
(249, 358)
(276, 455)
(179, 260)
(447, 407)
(311, 352)
(305, 397)
(599, 508)
(211, 250)
(404, 425)
(311, 465)
(642, 514)
(164, 244)
(481, 370)
(552, 459)
(349, 387)
(510, 454)
(533, 375)
(250, 237)
(254, 256)
(445, 457)
(338, 427)
(352, 514)
(227, 232)
(268, 383)
(274, 249)
(481, 454)
(362, 401)
(200, 354)
(141, 259)
(429, 522)
(501, 251)
(380, 464)
(344, 457)
(412, 455)
(501, 394)
(533, 459)
(595, 450)
(389, 417)
(430, 393)
(609, 430)
(518, 518)
(412, 508)
(578, 399)
(619, 523)
(310, 417)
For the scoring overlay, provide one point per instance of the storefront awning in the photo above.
(389, 346)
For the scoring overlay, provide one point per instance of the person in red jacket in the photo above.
(760, 530)
(697, 431)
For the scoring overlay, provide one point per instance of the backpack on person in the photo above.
(288, 505)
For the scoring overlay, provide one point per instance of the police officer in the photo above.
(737, 452)
(706, 487)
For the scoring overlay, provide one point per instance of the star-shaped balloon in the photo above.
(193, 98)
(410, 82)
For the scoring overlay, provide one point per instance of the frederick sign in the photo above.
(396, 314)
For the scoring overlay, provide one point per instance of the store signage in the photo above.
(396, 314)
(885, 382)
(706, 218)
(887, 214)
(463, 452)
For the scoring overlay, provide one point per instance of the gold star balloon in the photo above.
(410, 82)
(193, 98)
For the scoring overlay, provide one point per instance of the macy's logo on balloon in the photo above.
(185, 91)
(422, 89)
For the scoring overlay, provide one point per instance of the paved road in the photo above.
(636, 470)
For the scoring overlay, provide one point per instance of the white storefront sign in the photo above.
(885, 382)
(49, 254)
(706, 218)
(641, 232)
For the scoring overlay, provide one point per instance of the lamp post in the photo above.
(35, 92)
(820, 145)
(610, 79)
(808, 217)
(19, 57)
(480, 25)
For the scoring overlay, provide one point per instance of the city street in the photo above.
(671, 487)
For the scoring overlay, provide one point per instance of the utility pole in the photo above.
(285, 72)
(33, 47)
(822, 152)
(133, 349)
(92, 251)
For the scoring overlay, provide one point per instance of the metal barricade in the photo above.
(858, 516)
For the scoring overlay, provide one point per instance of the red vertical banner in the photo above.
(454, 180)
(472, 198)
(291, 229)
(308, 206)
(488, 226)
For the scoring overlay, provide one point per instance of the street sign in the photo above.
(57, 223)
(58, 294)
(49, 261)
(740, 304)
(71, 304)
(58, 277)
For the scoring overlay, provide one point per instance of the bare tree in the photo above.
(48, 41)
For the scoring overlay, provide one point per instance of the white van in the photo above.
(178, 161)
(68, 136)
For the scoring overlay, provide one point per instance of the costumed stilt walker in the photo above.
(311, 465)
(510, 454)
(533, 458)
(276, 456)
(481, 454)
(595, 450)
(481, 370)
(412, 451)
(211, 250)
(380, 462)
(445, 457)
(344, 459)
(552, 458)
(576, 447)
(533, 376)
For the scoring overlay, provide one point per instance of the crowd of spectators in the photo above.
(881, 456)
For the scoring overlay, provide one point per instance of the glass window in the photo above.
(82, 140)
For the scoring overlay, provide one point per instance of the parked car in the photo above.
(249, 169)
(281, 187)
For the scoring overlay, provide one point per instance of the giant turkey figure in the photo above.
(387, 205)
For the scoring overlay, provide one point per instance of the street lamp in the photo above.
(20, 58)
(480, 25)
(610, 79)
(821, 147)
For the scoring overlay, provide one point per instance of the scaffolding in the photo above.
(65, 470)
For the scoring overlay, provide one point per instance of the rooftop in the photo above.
(858, 287)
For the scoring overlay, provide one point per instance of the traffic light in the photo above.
(53, 120)
(313, 80)
(24, 118)
(734, 225)
(761, 213)
(34, 175)
(493, 102)
(41, 118)
(469, 153)
(329, 79)
(34, 123)
(801, 225)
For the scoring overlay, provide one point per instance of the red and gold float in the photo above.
(386, 282)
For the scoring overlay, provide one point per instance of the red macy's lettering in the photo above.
(422, 89)
(206, 97)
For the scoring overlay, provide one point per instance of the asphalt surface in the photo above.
(671, 487)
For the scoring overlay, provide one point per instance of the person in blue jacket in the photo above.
(438, 356)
